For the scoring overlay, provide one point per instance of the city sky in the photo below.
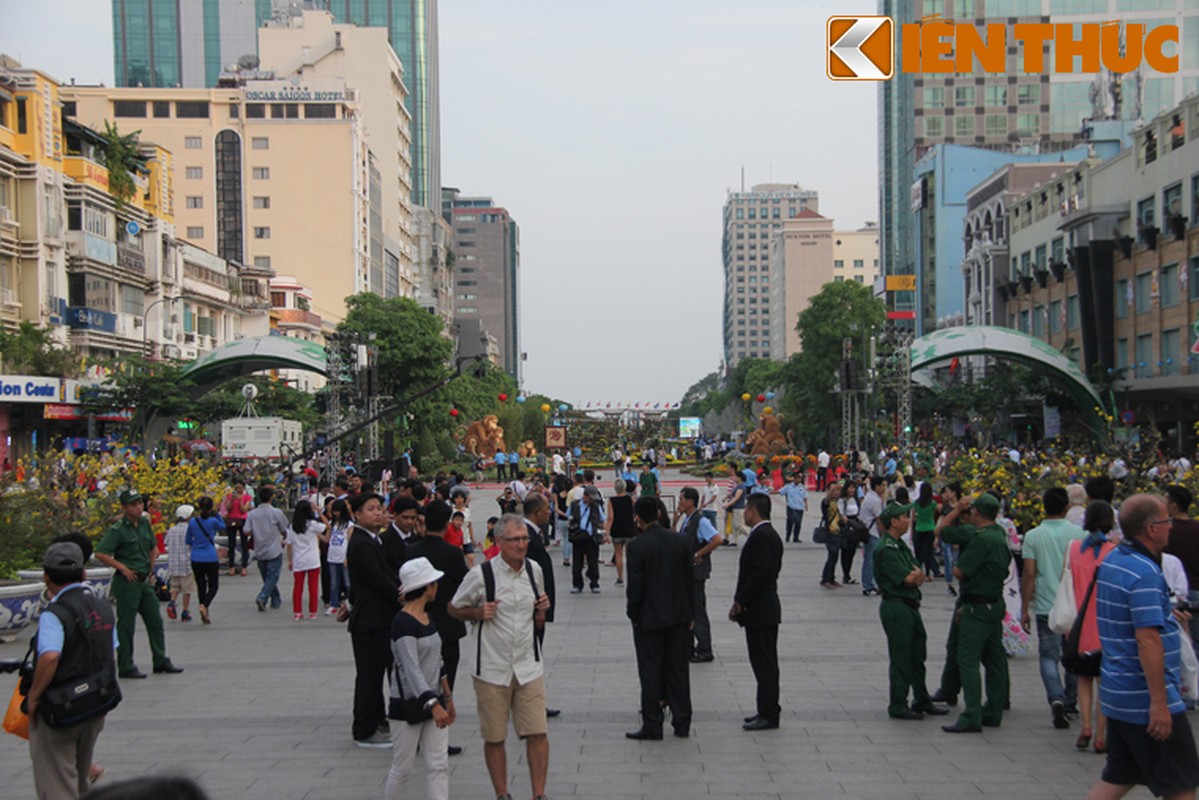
(611, 131)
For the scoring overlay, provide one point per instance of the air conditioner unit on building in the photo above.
(172, 350)
(5, 214)
(190, 353)
(138, 322)
(170, 333)
(9, 297)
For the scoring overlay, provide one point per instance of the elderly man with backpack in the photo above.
(504, 598)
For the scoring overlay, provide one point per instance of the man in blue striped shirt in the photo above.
(1149, 738)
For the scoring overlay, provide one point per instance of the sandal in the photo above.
(1084, 739)
(1100, 746)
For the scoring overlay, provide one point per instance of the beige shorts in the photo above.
(183, 584)
(526, 704)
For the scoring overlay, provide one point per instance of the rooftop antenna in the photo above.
(743, 177)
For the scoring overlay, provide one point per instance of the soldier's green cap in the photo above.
(892, 511)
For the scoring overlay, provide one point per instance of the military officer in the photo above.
(981, 569)
(129, 547)
(898, 578)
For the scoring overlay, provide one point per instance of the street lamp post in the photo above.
(146, 319)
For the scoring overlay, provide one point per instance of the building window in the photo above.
(1145, 355)
(1143, 293)
(260, 143)
(133, 299)
(320, 111)
(195, 173)
(1121, 298)
(1038, 322)
(1172, 202)
(191, 110)
(1055, 316)
(1168, 286)
(1025, 316)
(934, 127)
(995, 96)
(1195, 200)
(1122, 354)
(129, 108)
(1029, 94)
(1072, 312)
(963, 97)
(1028, 124)
(1193, 278)
(193, 142)
(859, 263)
(838, 264)
(195, 232)
(262, 232)
(285, 111)
(261, 173)
(195, 201)
(1145, 216)
(255, 111)
(1041, 254)
(262, 261)
(162, 109)
(230, 232)
(996, 124)
(234, 111)
(1171, 353)
(262, 202)
(1058, 246)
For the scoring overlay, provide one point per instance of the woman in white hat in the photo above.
(420, 693)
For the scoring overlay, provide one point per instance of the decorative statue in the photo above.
(768, 439)
(484, 437)
(526, 449)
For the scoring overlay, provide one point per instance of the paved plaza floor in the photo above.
(263, 709)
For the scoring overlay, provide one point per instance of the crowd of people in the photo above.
(407, 565)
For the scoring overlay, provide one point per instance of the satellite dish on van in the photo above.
(249, 391)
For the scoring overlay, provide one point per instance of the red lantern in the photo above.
(761, 398)
(453, 412)
(503, 397)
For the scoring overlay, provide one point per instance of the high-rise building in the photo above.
(309, 46)
(172, 43)
(187, 43)
(805, 254)
(486, 248)
(750, 219)
(249, 161)
(1011, 111)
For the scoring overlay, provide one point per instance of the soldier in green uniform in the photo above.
(981, 569)
(898, 578)
(129, 547)
(952, 533)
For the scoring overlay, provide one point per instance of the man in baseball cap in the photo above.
(129, 547)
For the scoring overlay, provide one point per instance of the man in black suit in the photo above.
(406, 514)
(537, 516)
(450, 560)
(756, 608)
(374, 601)
(661, 587)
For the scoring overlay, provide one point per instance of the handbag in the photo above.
(820, 535)
(16, 721)
(856, 531)
(1061, 616)
(1076, 662)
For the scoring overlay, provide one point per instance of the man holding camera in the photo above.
(129, 547)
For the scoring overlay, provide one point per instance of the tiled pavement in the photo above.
(263, 710)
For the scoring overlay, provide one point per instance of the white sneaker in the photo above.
(330, 611)
(376, 741)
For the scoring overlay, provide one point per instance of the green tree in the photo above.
(122, 157)
(839, 311)
(32, 351)
(152, 390)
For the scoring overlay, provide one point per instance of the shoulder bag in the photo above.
(1072, 659)
(1065, 609)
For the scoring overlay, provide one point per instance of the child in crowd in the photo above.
(460, 496)
(335, 559)
(179, 564)
(304, 558)
(491, 547)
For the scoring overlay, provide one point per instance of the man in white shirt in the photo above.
(822, 462)
(509, 676)
(870, 510)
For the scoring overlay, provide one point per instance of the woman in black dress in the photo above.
(620, 525)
